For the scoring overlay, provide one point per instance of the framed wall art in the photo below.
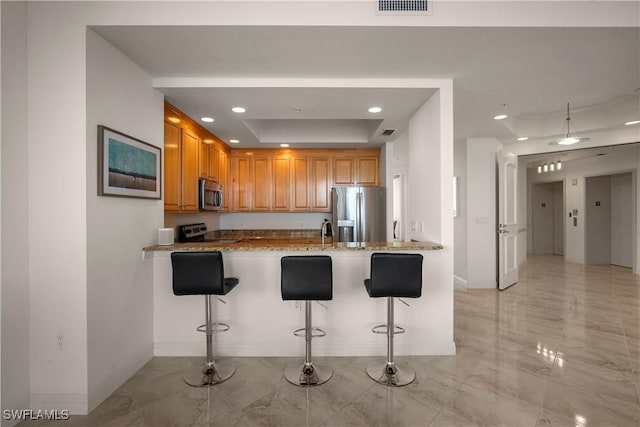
(127, 166)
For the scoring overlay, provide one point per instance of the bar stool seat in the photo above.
(202, 273)
(393, 275)
(308, 278)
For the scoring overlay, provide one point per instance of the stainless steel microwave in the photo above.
(209, 195)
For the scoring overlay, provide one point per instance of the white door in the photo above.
(507, 219)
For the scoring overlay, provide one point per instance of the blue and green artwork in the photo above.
(131, 167)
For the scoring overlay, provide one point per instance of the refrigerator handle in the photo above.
(359, 217)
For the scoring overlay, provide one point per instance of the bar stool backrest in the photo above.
(307, 277)
(198, 273)
(396, 275)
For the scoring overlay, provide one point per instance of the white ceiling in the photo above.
(535, 71)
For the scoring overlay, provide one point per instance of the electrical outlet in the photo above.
(421, 227)
(414, 226)
(301, 224)
(60, 341)
(242, 224)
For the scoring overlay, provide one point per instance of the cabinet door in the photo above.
(172, 177)
(343, 170)
(321, 185)
(300, 184)
(203, 160)
(241, 178)
(281, 184)
(223, 176)
(190, 147)
(261, 184)
(368, 170)
(214, 164)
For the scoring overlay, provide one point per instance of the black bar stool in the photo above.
(202, 273)
(393, 276)
(308, 278)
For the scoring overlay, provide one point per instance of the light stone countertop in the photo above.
(279, 244)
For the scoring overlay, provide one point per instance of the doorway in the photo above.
(547, 220)
(609, 232)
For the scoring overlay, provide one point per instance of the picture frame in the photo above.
(127, 166)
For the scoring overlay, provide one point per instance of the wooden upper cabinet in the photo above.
(261, 184)
(281, 200)
(300, 184)
(321, 184)
(203, 160)
(241, 183)
(214, 163)
(172, 178)
(190, 148)
(368, 170)
(223, 178)
(343, 170)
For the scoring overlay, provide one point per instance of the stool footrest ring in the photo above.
(382, 329)
(319, 333)
(215, 327)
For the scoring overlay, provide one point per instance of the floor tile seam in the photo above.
(435, 417)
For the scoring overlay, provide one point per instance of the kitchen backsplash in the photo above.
(249, 221)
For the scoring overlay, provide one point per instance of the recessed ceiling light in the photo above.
(284, 145)
(374, 109)
(234, 141)
(500, 117)
(632, 122)
(174, 120)
(523, 138)
(238, 109)
(207, 119)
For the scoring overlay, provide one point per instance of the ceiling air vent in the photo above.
(388, 132)
(403, 6)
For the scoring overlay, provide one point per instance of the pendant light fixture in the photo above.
(568, 139)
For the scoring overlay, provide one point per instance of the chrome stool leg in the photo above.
(391, 373)
(309, 374)
(211, 372)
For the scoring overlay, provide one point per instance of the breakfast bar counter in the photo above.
(262, 323)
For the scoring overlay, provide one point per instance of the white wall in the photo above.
(481, 212)
(15, 256)
(598, 220)
(120, 95)
(460, 221)
(259, 220)
(622, 211)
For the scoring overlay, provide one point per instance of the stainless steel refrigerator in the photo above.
(359, 214)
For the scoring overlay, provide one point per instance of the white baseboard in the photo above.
(22, 403)
(197, 349)
(120, 376)
(490, 284)
(459, 283)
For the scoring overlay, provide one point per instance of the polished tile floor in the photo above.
(560, 348)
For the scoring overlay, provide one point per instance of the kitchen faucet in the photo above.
(326, 223)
